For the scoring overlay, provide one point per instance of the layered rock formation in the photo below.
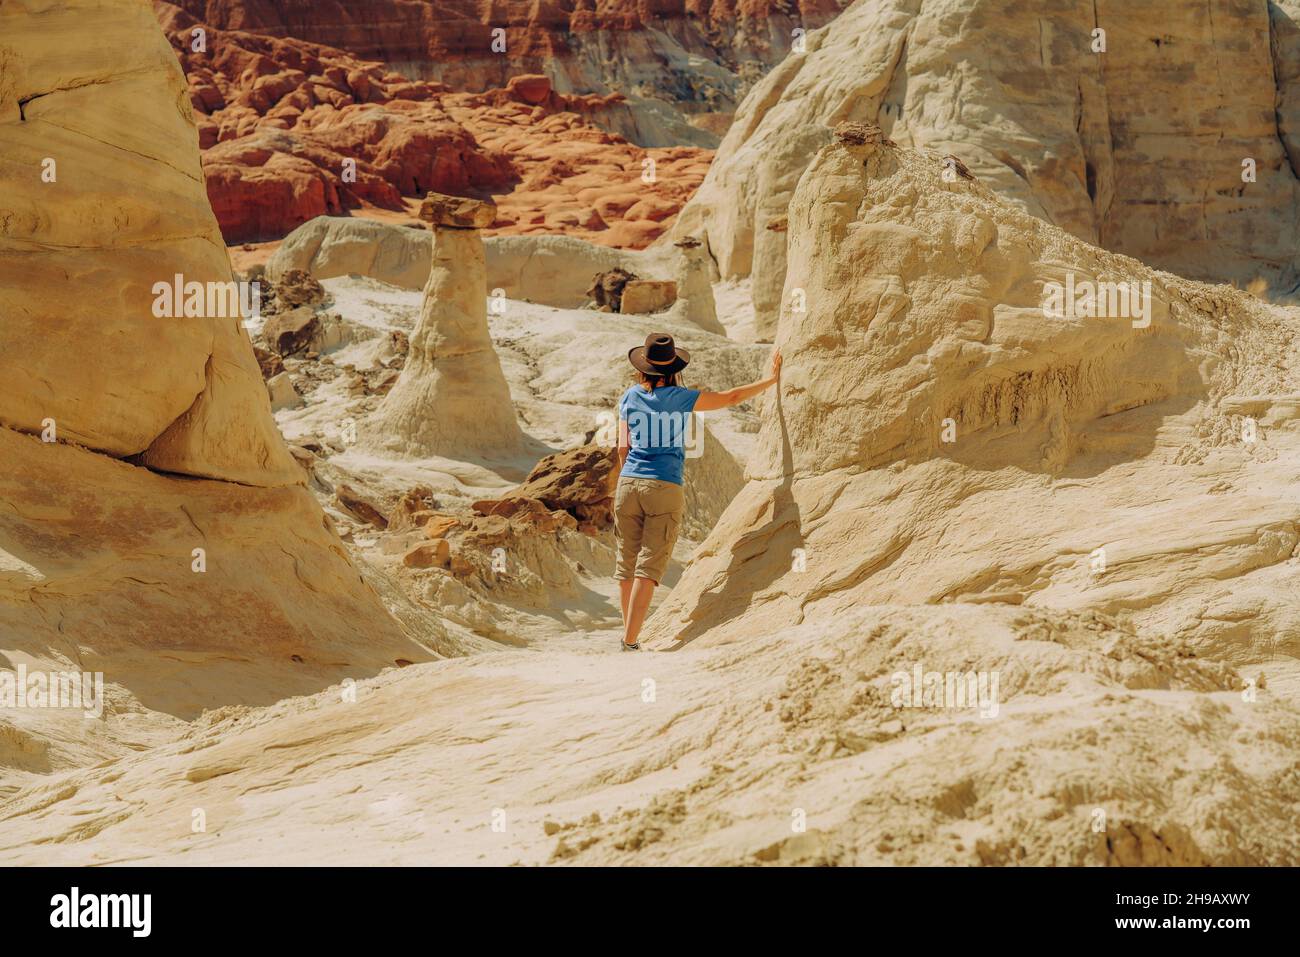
(155, 527)
(330, 246)
(701, 57)
(1120, 716)
(1142, 148)
(292, 130)
(452, 399)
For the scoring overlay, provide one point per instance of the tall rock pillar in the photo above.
(452, 398)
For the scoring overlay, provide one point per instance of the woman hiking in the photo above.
(653, 417)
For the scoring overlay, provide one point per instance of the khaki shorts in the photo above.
(647, 515)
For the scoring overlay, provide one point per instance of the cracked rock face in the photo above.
(1139, 149)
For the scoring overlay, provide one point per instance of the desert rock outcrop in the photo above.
(329, 246)
(933, 379)
(579, 481)
(1143, 149)
(154, 526)
(647, 296)
(137, 279)
(1009, 577)
(452, 398)
(551, 270)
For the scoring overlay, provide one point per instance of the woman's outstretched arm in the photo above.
(709, 401)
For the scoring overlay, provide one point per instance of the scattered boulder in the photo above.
(485, 533)
(538, 519)
(269, 362)
(282, 393)
(359, 506)
(581, 476)
(381, 381)
(437, 524)
(527, 514)
(457, 212)
(578, 481)
(499, 506)
(293, 288)
(432, 554)
(304, 457)
(861, 134)
(606, 289)
(332, 332)
(644, 296)
(412, 509)
(291, 332)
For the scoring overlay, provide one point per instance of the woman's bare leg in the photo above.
(642, 591)
(625, 597)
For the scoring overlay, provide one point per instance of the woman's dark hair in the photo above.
(650, 382)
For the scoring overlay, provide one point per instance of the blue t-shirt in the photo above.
(659, 430)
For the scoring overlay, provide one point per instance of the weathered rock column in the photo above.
(768, 276)
(451, 399)
(694, 289)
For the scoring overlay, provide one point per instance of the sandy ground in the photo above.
(749, 753)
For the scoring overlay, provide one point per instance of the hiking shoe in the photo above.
(635, 646)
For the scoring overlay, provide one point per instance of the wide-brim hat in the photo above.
(659, 356)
